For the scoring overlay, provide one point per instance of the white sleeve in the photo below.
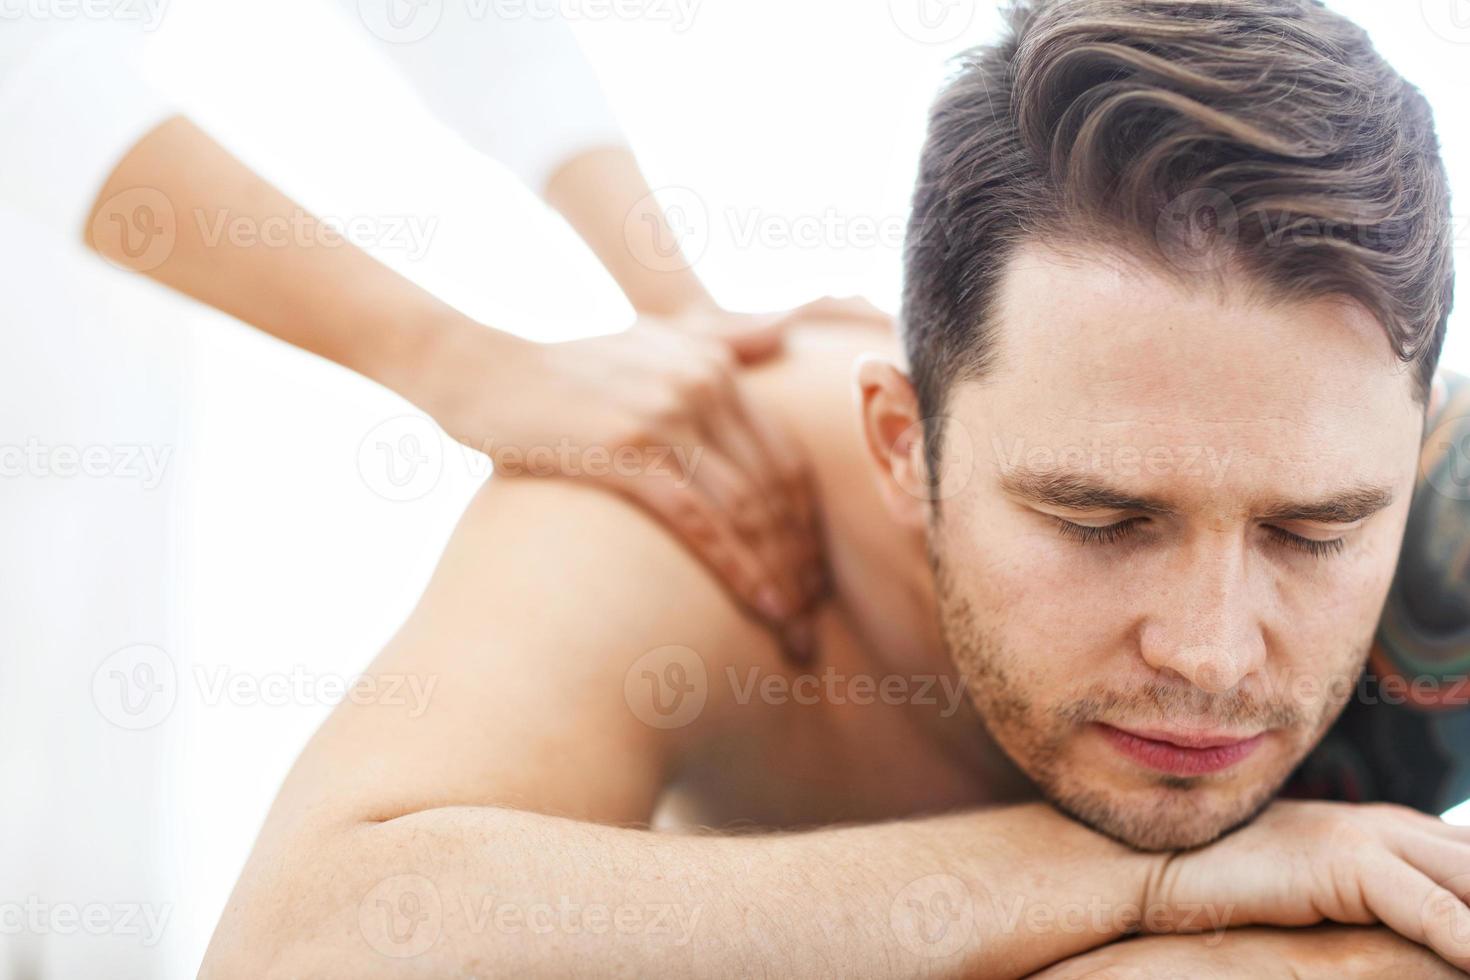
(73, 102)
(516, 88)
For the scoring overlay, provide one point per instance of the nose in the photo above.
(1206, 627)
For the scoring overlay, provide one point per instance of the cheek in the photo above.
(1053, 618)
(1344, 594)
(1328, 620)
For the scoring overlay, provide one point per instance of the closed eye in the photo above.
(1311, 546)
(1112, 533)
(1107, 534)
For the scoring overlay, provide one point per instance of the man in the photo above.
(1108, 553)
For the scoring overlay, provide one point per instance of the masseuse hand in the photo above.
(654, 414)
(731, 488)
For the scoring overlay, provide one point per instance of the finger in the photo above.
(782, 468)
(803, 532)
(702, 524)
(723, 512)
(799, 489)
(1442, 858)
(1411, 904)
(726, 479)
(1434, 824)
(799, 640)
(779, 533)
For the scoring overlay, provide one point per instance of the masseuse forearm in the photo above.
(224, 236)
(521, 894)
(604, 196)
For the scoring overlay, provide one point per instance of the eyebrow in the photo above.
(1074, 491)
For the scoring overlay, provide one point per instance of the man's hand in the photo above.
(1300, 864)
(1327, 953)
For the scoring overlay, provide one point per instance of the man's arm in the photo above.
(484, 826)
(1320, 953)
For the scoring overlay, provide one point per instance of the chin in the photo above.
(1171, 816)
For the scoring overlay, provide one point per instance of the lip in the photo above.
(1182, 753)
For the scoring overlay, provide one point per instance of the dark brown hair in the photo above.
(1263, 137)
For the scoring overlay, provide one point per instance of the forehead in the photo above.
(1101, 350)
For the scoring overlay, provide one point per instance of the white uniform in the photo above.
(91, 387)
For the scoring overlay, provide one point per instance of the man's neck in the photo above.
(881, 579)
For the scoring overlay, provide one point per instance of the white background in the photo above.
(793, 115)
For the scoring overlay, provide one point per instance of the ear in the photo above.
(895, 438)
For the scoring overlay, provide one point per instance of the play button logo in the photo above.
(1449, 19)
(401, 21)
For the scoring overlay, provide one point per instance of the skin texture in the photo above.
(1322, 953)
(591, 680)
(1202, 619)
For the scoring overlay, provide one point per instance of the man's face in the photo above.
(1163, 573)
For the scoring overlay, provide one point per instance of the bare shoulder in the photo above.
(562, 651)
(811, 391)
(528, 653)
(811, 388)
